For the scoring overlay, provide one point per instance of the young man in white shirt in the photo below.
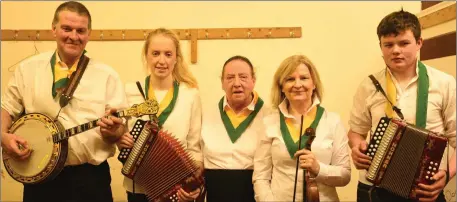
(400, 40)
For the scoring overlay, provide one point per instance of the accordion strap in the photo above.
(379, 88)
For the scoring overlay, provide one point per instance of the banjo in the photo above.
(49, 141)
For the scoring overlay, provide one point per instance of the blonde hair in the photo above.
(181, 71)
(287, 67)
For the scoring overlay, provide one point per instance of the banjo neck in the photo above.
(63, 135)
(149, 107)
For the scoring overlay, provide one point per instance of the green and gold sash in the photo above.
(292, 145)
(167, 104)
(61, 76)
(235, 131)
(422, 96)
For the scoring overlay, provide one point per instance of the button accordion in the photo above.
(403, 156)
(159, 163)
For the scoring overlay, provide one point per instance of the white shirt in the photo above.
(100, 88)
(184, 122)
(274, 169)
(218, 150)
(369, 106)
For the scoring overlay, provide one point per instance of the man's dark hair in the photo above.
(72, 6)
(397, 22)
(242, 58)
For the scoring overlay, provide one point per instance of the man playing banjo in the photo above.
(37, 86)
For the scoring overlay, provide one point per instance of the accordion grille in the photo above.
(406, 157)
(165, 167)
(380, 146)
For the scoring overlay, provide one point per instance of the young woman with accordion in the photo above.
(173, 86)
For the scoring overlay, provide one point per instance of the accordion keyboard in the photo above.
(379, 145)
(377, 136)
(135, 132)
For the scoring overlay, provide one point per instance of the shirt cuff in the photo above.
(323, 172)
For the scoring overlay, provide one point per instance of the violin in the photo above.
(310, 190)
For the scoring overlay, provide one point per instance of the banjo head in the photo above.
(37, 130)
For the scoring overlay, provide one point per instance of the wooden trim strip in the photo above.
(427, 4)
(439, 46)
(446, 13)
(183, 34)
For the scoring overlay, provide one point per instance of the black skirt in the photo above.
(229, 185)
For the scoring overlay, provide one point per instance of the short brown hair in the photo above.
(397, 22)
(72, 6)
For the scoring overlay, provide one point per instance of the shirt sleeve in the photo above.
(338, 172)
(115, 93)
(263, 166)
(449, 112)
(12, 99)
(360, 117)
(194, 135)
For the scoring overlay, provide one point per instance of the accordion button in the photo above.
(431, 162)
(433, 173)
(436, 164)
(428, 172)
(434, 168)
(430, 167)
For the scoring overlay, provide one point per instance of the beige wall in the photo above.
(339, 37)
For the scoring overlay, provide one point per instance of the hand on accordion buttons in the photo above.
(184, 196)
(431, 192)
(110, 125)
(125, 141)
(308, 161)
(15, 147)
(361, 160)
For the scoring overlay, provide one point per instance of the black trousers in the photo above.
(131, 197)
(229, 186)
(79, 183)
(382, 195)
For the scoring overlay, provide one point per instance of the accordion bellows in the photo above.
(403, 156)
(159, 163)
